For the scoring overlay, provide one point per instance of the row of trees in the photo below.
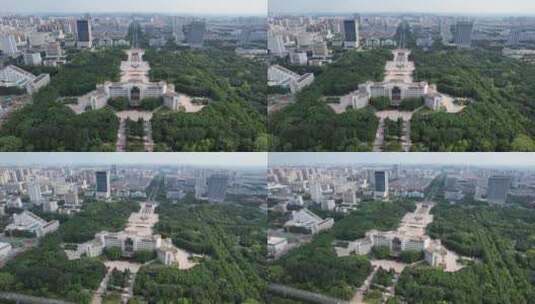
(316, 267)
(501, 119)
(47, 272)
(310, 125)
(503, 273)
(232, 237)
(235, 118)
(49, 125)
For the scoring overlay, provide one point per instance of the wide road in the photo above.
(121, 136)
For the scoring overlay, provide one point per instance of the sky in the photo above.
(476, 7)
(184, 158)
(476, 159)
(197, 7)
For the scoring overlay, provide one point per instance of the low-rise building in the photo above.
(276, 246)
(305, 221)
(283, 77)
(5, 248)
(29, 222)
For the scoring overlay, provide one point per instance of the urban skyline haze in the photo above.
(198, 7)
(133, 158)
(525, 160)
(472, 7)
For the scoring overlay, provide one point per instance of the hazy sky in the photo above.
(208, 7)
(480, 159)
(522, 7)
(198, 159)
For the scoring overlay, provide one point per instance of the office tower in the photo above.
(315, 191)
(217, 187)
(445, 31)
(32, 59)
(34, 191)
(498, 188)
(103, 184)
(463, 33)
(71, 198)
(178, 29)
(276, 45)
(200, 184)
(381, 184)
(83, 33)
(195, 33)
(351, 34)
(53, 50)
(8, 45)
(514, 37)
(350, 197)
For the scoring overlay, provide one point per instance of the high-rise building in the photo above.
(33, 59)
(53, 50)
(217, 187)
(103, 184)
(34, 191)
(83, 33)
(194, 33)
(315, 191)
(178, 28)
(276, 45)
(200, 184)
(71, 198)
(463, 33)
(351, 34)
(514, 37)
(381, 184)
(8, 45)
(498, 187)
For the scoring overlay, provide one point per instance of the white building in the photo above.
(34, 191)
(50, 206)
(397, 85)
(281, 76)
(299, 58)
(5, 248)
(328, 205)
(8, 45)
(276, 45)
(33, 59)
(316, 193)
(304, 221)
(13, 76)
(135, 86)
(276, 246)
(29, 222)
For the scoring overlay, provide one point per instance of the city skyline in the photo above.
(250, 160)
(202, 7)
(526, 160)
(475, 7)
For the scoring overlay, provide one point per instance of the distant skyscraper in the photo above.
(83, 33)
(200, 184)
(178, 29)
(498, 188)
(195, 33)
(463, 33)
(381, 184)
(103, 184)
(514, 37)
(315, 191)
(34, 191)
(8, 45)
(351, 34)
(217, 187)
